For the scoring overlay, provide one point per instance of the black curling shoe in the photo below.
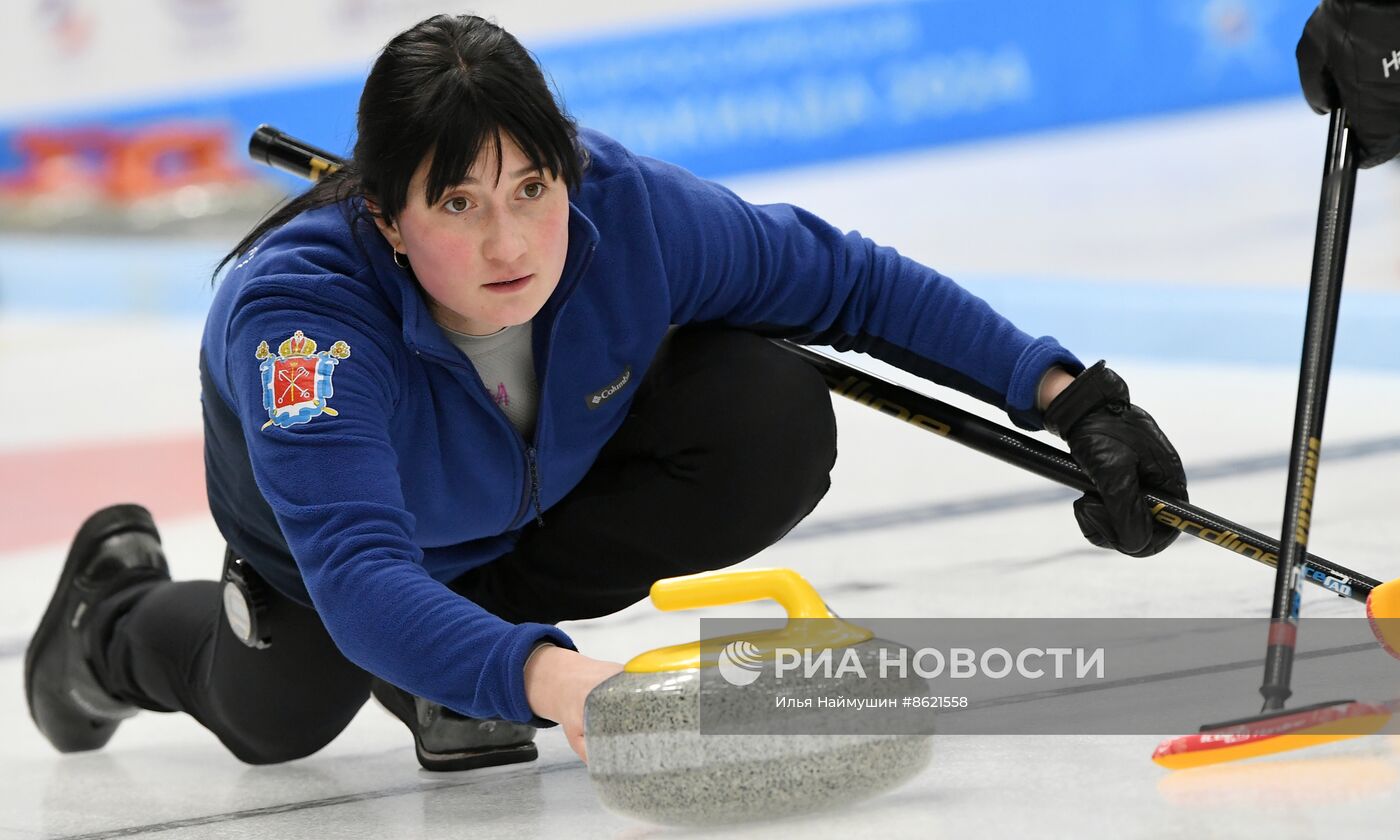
(448, 741)
(115, 548)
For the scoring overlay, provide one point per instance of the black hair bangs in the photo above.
(471, 114)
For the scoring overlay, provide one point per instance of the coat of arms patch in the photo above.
(296, 381)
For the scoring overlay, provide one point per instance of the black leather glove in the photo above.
(1126, 455)
(1349, 55)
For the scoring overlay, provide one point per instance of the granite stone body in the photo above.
(688, 747)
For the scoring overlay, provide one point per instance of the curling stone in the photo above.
(717, 732)
(1383, 611)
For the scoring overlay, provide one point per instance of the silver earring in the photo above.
(401, 259)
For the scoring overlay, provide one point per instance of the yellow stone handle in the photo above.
(714, 589)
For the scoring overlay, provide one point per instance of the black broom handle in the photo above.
(272, 147)
(1319, 337)
(1057, 465)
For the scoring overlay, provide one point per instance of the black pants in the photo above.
(729, 444)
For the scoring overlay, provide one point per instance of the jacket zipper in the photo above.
(531, 459)
(534, 484)
(532, 473)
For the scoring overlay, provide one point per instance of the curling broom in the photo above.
(1277, 729)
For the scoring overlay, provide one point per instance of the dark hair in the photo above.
(446, 87)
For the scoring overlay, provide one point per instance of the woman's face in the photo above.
(488, 253)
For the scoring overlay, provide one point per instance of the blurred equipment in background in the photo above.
(169, 178)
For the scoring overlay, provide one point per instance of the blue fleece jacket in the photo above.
(355, 459)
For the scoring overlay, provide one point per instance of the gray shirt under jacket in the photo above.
(505, 360)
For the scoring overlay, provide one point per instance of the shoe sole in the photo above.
(453, 762)
(108, 522)
(491, 757)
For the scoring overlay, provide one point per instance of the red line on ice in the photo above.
(46, 494)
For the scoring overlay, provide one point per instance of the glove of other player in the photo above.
(1349, 55)
(1125, 454)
